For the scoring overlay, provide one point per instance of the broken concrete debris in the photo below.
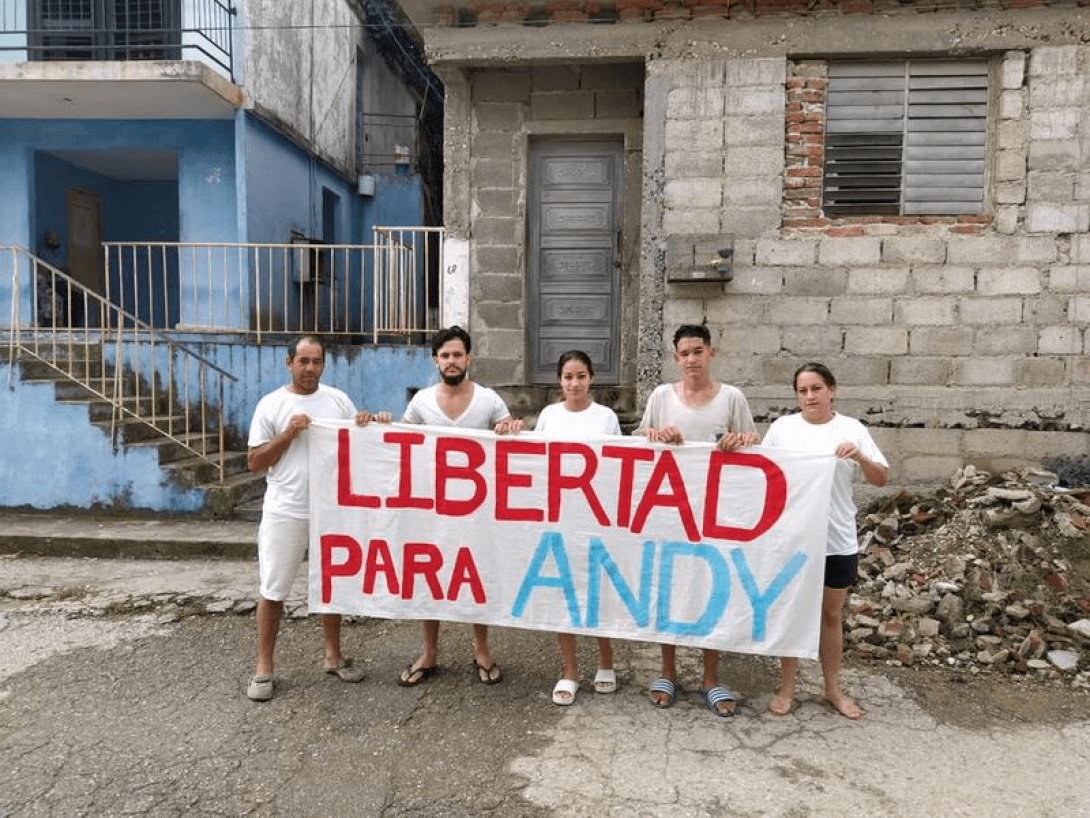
(990, 573)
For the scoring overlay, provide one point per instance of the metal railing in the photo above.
(144, 376)
(95, 30)
(381, 292)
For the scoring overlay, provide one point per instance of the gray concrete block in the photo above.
(496, 287)
(949, 341)
(1048, 60)
(849, 251)
(748, 131)
(1013, 69)
(977, 250)
(1009, 340)
(1040, 371)
(743, 222)
(947, 280)
(1036, 249)
(1054, 154)
(618, 103)
(993, 311)
(925, 311)
(754, 280)
(755, 339)
(913, 250)
(1059, 124)
(695, 134)
(688, 102)
(762, 71)
(984, 371)
(690, 220)
(502, 86)
(494, 116)
(758, 160)
(1044, 217)
(556, 77)
(1063, 340)
(1074, 278)
(774, 252)
(1010, 166)
(1045, 309)
(814, 341)
(878, 280)
(920, 370)
(578, 105)
(915, 442)
(875, 340)
(694, 164)
(694, 193)
(1008, 281)
(498, 230)
(799, 311)
(810, 281)
(861, 311)
(753, 192)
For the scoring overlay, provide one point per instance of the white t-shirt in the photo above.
(795, 433)
(287, 481)
(557, 421)
(728, 411)
(484, 411)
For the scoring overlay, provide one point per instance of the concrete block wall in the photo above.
(508, 108)
(961, 338)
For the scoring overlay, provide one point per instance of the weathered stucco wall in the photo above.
(299, 72)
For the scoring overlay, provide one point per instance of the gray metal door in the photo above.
(574, 238)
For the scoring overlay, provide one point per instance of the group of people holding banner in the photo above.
(695, 409)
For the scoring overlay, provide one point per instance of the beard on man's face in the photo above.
(453, 378)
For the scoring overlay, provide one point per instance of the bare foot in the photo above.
(844, 706)
(780, 705)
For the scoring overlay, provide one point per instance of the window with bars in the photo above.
(106, 29)
(905, 137)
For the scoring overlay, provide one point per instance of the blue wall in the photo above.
(55, 458)
(62, 460)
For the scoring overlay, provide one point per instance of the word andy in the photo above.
(528, 481)
(549, 577)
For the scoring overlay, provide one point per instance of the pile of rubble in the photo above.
(991, 573)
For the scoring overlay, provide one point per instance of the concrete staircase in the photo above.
(183, 468)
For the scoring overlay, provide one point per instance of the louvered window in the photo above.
(905, 137)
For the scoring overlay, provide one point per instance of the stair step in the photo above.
(195, 471)
(242, 488)
(130, 430)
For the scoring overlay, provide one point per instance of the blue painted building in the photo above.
(193, 190)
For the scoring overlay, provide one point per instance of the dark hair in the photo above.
(820, 370)
(574, 355)
(454, 333)
(294, 346)
(700, 331)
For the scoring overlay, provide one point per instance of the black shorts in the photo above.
(840, 570)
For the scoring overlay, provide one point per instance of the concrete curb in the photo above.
(53, 535)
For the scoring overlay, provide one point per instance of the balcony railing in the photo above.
(96, 30)
(382, 292)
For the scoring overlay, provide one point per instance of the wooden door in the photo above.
(85, 252)
(573, 236)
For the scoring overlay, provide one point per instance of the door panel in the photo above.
(574, 232)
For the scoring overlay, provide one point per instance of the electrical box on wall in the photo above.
(365, 184)
(700, 259)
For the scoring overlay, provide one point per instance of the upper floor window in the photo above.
(105, 29)
(905, 137)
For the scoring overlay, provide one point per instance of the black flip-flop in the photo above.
(488, 675)
(412, 676)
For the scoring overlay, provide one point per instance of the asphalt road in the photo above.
(116, 701)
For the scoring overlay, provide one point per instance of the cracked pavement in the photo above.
(121, 694)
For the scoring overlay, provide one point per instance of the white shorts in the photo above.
(282, 544)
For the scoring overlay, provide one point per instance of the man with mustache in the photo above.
(456, 401)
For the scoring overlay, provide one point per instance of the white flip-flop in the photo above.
(605, 680)
(565, 686)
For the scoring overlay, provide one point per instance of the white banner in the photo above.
(610, 537)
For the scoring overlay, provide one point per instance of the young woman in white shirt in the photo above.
(579, 417)
(818, 428)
